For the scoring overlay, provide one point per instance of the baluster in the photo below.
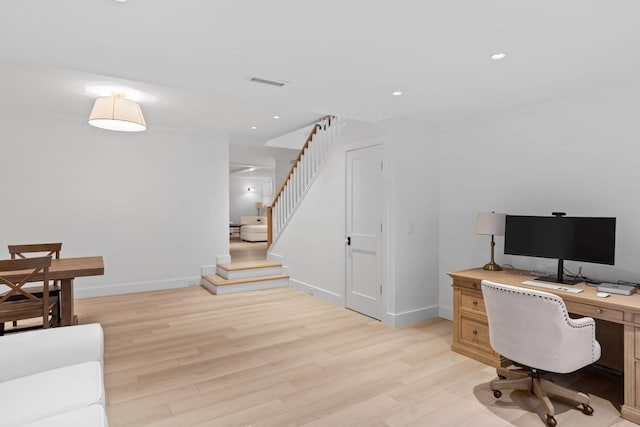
(297, 183)
(289, 198)
(294, 186)
(323, 146)
(285, 204)
(309, 164)
(279, 213)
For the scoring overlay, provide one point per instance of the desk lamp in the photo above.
(491, 223)
(259, 205)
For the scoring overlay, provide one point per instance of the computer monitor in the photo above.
(586, 239)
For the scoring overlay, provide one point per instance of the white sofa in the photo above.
(53, 377)
(253, 228)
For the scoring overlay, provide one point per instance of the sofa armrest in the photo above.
(36, 351)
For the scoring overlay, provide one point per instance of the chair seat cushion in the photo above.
(37, 396)
(89, 416)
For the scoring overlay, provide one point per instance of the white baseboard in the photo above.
(445, 312)
(398, 320)
(317, 292)
(208, 269)
(274, 257)
(128, 288)
(223, 259)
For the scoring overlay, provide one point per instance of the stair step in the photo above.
(247, 265)
(221, 281)
(219, 285)
(248, 269)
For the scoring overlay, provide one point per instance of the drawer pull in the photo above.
(475, 302)
(475, 285)
(598, 311)
(475, 332)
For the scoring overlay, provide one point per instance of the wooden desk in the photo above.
(65, 270)
(471, 330)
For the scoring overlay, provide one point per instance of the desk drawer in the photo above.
(468, 284)
(595, 311)
(472, 301)
(474, 332)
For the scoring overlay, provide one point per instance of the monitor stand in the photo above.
(559, 277)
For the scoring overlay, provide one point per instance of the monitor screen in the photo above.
(567, 238)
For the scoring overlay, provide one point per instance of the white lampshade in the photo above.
(490, 223)
(117, 113)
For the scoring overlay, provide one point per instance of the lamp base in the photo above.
(492, 266)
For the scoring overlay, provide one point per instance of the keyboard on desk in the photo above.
(551, 286)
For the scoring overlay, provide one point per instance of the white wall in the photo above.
(313, 242)
(577, 154)
(153, 204)
(243, 202)
(413, 169)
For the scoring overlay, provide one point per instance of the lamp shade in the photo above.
(490, 223)
(259, 205)
(117, 113)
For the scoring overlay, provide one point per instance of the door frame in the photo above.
(385, 318)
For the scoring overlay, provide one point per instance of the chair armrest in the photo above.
(582, 344)
(30, 352)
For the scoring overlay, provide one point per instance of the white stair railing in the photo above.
(302, 174)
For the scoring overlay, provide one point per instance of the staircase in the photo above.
(303, 172)
(257, 275)
(245, 276)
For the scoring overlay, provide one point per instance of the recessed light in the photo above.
(121, 1)
(396, 93)
(498, 55)
(276, 117)
(254, 128)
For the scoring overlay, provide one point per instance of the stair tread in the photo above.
(221, 281)
(248, 265)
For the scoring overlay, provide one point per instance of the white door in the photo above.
(364, 231)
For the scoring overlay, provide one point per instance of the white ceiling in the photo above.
(193, 58)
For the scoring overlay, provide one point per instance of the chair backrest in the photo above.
(52, 249)
(14, 274)
(533, 328)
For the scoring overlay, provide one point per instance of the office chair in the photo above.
(533, 328)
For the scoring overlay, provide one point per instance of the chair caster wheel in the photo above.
(497, 394)
(551, 421)
(586, 409)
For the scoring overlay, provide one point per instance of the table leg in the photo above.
(66, 300)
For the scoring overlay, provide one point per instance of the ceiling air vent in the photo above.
(267, 82)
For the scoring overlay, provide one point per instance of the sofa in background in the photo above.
(53, 377)
(253, 228)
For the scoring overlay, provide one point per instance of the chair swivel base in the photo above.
(520, 379)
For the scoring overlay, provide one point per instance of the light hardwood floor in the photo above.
(247, 251)
(279, 357)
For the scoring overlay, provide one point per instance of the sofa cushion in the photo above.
(30, 352)
(48, 393)
(89, 416)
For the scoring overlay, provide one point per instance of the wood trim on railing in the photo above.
(284, 182)
(295, 163)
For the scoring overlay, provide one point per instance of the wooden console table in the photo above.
(471, 330)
